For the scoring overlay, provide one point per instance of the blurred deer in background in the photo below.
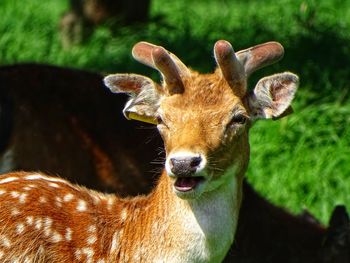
(83, 15)
(192, 214)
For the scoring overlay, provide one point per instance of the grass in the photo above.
(300, 161)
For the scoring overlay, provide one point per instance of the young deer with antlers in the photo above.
(191, 216)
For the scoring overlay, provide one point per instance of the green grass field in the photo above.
(301, 161)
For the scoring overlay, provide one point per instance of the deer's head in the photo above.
(204, 118)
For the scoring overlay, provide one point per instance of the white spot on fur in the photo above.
(54, 185)
(20, 228)
(15, 212)
(56, 237)
(88, 252)
(8, 179)
(115, 240)
(92, 239)
(38, 223)
(110, 202)
(68, 235)
(91, 229)
(123, 215)
(2, 191)
(45, 178)
(5, 241)
(68, 197)
(77, 254)
(81, 207)
(29, 220)
(47, 226)
(58, 201)
(42, 199)
(15, 194)
(1, 254)
(22, 198)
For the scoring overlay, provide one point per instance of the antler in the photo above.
(236, 67)
(165, 62)
(231, 68)
(260, 56)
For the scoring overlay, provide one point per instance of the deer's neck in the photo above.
(177, 230)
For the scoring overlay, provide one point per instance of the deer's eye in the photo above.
(239, 119)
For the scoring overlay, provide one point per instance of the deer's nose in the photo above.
(185, 166)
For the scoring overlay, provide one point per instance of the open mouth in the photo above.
(186, 184)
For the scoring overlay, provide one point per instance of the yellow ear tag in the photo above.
(137, 117)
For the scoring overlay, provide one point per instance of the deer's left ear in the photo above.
(272, 96)
(144, 96)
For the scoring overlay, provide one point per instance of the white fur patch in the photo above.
(45, 178)
(22, 198)
(5, 241)
(2, 191)
(123, 215)
(38, 223)
(81, 206)
(110, 202)
(15, 212)
(91, 239)
(8, 179)
(68, 197)
(58, 201)
(20, 228)
(42, 199)
(88, 252)
(54, 185)
(56, 237)
(78, 254)
(47, 226)
(91, 229)
(29, 220)
(115, 240)
(15, 194)
(68, 235)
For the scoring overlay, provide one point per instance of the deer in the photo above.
(192, 214)
(265, 232)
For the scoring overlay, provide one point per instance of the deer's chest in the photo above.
(203, 232)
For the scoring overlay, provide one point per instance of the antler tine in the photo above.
(260, 56)
(165, 64)
(230, 66)
(142, 52)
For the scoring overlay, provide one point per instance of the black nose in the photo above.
(185, 166)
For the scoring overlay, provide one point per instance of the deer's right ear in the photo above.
(273, 95)
(144, 96)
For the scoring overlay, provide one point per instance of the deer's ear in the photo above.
(273, 95)
(144, 96)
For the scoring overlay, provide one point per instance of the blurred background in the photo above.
(299, 162)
